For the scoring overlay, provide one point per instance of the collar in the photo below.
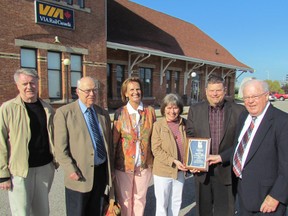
(218, 107)
(131, 110)
(83, 108)
(260, 117)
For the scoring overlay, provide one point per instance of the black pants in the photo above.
(90, 203)
(213, 198)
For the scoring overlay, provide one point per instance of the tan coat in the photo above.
(164, 148)
(74, 147)
(15, 136)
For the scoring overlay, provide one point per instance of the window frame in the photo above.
(168, 78)
(119, 82)
(109, 81)
(75, 71)
(59, 70)
(21, 58)
(147, 86)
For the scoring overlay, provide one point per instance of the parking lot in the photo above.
(57, 200)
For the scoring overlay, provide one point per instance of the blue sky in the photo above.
(254, 31)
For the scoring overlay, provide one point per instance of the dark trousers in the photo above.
(280, 211)
(213, 198)
(90, 203)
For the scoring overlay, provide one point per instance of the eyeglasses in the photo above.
(87, 91)
(254, 97)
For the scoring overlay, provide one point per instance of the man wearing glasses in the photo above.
(83, 145)
(260, 160)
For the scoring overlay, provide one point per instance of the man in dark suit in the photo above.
(260, 159)
(215, 118)
(83, 143)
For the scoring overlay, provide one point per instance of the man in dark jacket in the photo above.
(260, 159)
(215, 118)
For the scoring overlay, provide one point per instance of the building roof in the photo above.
(134, 25)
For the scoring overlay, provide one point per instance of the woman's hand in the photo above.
(194, 171)
(180, 166)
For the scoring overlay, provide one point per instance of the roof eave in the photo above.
(125, 47)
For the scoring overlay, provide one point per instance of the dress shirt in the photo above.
(216, 123)
(244, 129)
(136, 127)
(97, 160)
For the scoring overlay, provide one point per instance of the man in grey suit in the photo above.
(260, 159)
(83, 144)
(215, 118)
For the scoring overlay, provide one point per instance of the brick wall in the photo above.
(18, 22)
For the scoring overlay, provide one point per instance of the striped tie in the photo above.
(237, 160)
(96, 134)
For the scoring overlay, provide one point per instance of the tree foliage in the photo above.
(274, 86)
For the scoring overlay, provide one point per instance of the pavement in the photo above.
(57, 198)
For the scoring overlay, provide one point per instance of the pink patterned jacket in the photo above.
(125, 138)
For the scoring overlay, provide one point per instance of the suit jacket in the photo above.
(74, 148)
(266, 168)
(198, 126)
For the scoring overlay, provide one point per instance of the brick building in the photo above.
(109, 40)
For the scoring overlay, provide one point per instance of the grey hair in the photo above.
(264, 85)
(171, 99)
(26, 71)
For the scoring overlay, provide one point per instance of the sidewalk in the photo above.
(57, 198)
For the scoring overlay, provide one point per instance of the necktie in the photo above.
(237, 160)
(96, 134)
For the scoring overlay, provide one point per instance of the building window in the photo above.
(146, 79)
(76, 73)
(109, 81)
(69, 2)
(28, 58)
(81, 3)
(176, 82)
(168, 81)
(119, 78)
(54, 75)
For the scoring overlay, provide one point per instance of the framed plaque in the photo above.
(197, 152)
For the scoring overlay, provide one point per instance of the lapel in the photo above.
(205, 120)
(239, 127)
(78, 117)
(227, 115)
(102, 123)
(263, 129)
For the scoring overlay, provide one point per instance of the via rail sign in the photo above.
(55, 15)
